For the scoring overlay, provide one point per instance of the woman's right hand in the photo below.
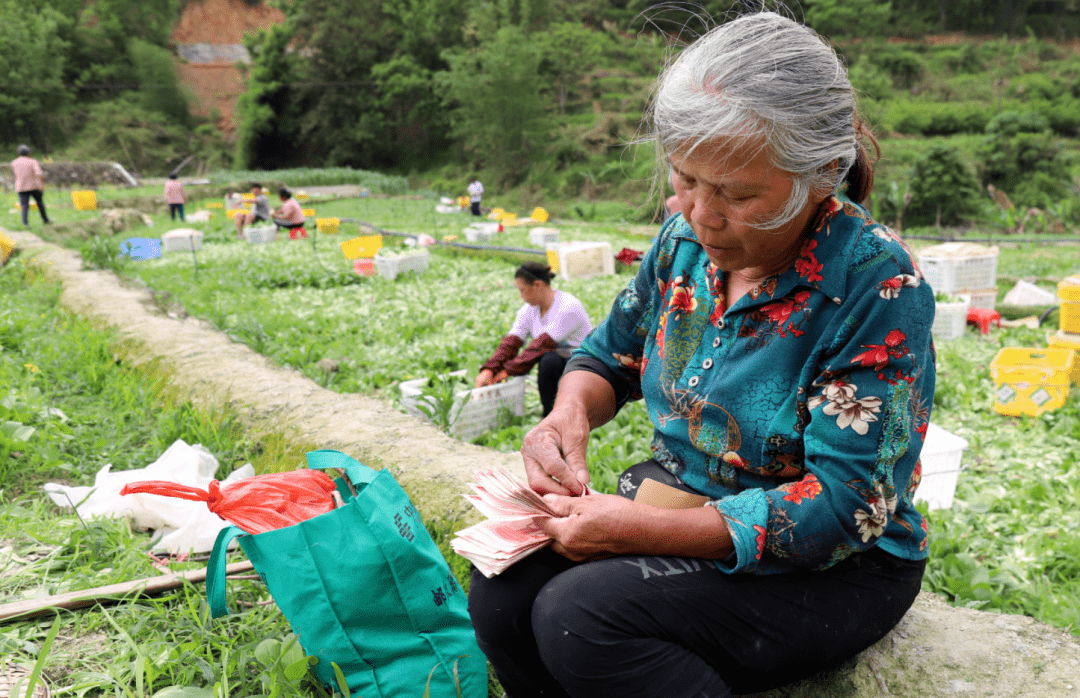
(554, 452)
(484, 378)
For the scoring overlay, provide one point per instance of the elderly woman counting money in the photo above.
(780, 339)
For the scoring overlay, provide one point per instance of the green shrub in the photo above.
(937, 118)
(904, 67)
(1021, 157)
(943, 189)
(870, 80)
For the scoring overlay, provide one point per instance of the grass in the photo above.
(1010, 543)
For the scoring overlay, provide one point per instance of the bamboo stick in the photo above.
(32, 608)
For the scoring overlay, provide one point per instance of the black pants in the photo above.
(24, 204)
(474, 208)
(175, 209)
(548, 373)
(676, 627)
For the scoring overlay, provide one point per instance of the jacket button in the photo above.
(706, 364)
(694, 381)
(716, 343)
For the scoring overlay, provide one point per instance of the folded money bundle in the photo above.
(510, 532)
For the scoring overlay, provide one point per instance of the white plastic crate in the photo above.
(390, 267)
(950, 320)
(480, 232)
(581, 260)
(181, 240)
(981, 298)
(956, 267)
(941, 454)
(261, 234)
(476, 410)
(542, 237)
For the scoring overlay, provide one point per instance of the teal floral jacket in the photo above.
(801, 409)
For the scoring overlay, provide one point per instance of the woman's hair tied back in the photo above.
(534, 271)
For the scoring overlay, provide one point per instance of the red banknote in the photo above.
(510, 531)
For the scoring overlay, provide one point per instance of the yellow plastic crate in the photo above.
(308, 212)
(1069, 293)
(508, 219)
(1030, 381)
(84, 200)
(496, 213)
(463, 201)
(249, 196)
(300, 196)
(553, 260)
(539, 215)
(6, 247)
(327, 226)
(1064, 340)
(214, 204)
(363, 246)
(231, 213)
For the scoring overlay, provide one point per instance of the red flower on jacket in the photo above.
(828, 211)
(719, 308)
(877, 355)
(760, 541)
(807, 488)
(807, 264)
(682, 297)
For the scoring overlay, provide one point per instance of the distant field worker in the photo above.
(476, 195)
(555, 321)
(260, 210)
(290, 215)
(29, 181)
(175, 196)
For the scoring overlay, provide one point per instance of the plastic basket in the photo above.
(941, 454)
(308, 212)
(475, 410)
(950, 320)
(539, 215)
(982, 298)
(363, 246)
(214, 204)
(481, 232)
(84, 200)
(7, 245)
(1069, 293)
(327, 226)
(463, 201)
(581, 260)
(248, 196)
(390, 267)
(231, 213)
(183, 240)
(1065, 340)
(542, 237)
(260, 235)
(956, 266)
(1030, 381)
(496, 213)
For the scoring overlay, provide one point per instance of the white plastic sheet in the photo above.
(179, 525)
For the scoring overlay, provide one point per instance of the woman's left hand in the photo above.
(592, 526)
(500, 377)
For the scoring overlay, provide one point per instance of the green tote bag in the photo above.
(365, 588)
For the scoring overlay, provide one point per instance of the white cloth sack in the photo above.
(179, 525)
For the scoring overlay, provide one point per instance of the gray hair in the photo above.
(23, 150)
(762, 78)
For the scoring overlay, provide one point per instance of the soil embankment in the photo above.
(936, 651)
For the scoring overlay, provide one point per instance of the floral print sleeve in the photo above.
(800, 409)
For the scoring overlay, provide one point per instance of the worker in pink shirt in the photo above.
(175, 196)
(29, 181)
(289, 215)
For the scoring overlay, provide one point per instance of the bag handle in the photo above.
(215, 571)
(325, 459)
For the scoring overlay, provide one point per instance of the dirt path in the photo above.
(937, 651)
(210, 369)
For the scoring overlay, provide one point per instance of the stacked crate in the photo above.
(962, 269)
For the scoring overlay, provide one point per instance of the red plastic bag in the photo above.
(256, 504)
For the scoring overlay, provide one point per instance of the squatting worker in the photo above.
(781, 341)
(289, 215)
(29, 182)
(554, 323)
(260, 210)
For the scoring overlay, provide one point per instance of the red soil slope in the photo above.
(217, 85)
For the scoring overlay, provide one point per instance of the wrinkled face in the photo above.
(723, 190)
(530, 293)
